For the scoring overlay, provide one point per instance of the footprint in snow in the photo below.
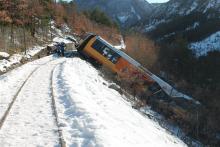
(35, 134)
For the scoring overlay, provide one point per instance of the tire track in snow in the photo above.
(61, 138)
(17, 93)
(78, 127)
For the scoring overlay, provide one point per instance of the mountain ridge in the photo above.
(125, 12)
(194, 20)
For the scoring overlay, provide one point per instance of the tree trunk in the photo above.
(32, 30)
(51, 35)
(12, 34)
(24, 38)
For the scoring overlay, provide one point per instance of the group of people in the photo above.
(60, 48)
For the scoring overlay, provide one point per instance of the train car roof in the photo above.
(122, 54)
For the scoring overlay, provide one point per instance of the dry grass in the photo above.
(142, 49)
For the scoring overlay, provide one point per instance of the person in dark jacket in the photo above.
(61, 48)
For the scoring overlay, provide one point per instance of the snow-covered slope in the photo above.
(198, 21)
(16, 59)
(185, 7)
(211, 43)
(121, 46)
(166, 11)
(4, 55)
(91, 114)
(174, 8)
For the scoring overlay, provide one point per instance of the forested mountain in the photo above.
(125, 12)
(183, 7)
(193, 19)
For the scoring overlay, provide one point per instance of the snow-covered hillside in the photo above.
(89, 113)
(184, 7)
(211, 43)
(193, 19)
(165, 12)
(94, 115)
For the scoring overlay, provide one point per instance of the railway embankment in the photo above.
(16, 60)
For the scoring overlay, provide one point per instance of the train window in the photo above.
(115, 57)
(106, 51)
(98, 45)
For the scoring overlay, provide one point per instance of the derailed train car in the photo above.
(160, 95)
(119, 62)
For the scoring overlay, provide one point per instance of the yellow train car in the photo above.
(119, 62)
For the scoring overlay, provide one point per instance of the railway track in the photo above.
(53, 104)
(16, 95)
(61, 138)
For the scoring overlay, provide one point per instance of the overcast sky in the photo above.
(150, 1)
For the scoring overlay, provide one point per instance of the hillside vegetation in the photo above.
(22, 21)
(27, 22)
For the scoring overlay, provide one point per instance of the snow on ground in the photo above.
(34, 50)
(57, 31)
(195, 25)
(3, 65)
(192, 7)
(123, 18)
(91, 114)
(211, 4)
(209, 44)
(121, 46)
(153, 25)
(65, 28)
(4, 54)
(31, 121)
(59, 39)
(13, 60)
(11, 81)
(16, 58)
